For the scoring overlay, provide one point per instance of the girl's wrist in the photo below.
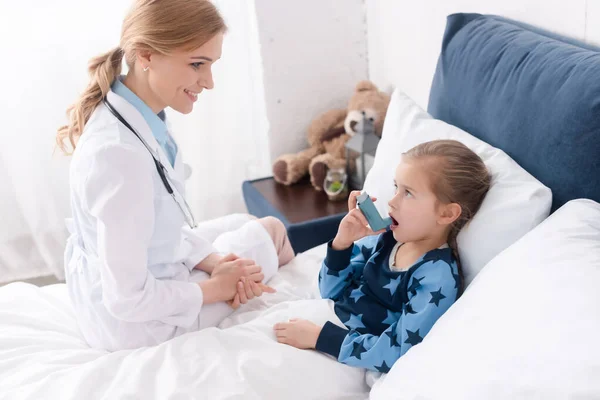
(340, 244)
(316, 334)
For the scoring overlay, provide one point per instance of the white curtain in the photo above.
(45, 48)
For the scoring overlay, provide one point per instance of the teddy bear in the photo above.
(328, 134)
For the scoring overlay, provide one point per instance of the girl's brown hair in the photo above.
(458, 175)
(159, 26)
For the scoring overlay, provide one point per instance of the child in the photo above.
(390, 289)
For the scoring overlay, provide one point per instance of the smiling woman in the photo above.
(175, 80)
(35, 195)
(158, 41)
(136, 274)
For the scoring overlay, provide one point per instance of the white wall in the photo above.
(404, 37)
(313, 54)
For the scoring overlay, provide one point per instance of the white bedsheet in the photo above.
(43, 356)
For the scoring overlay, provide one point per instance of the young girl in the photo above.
(390, 289)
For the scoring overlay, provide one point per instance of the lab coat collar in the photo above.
(155, 121)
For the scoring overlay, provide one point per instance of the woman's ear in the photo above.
(143, 58)
(449, 213)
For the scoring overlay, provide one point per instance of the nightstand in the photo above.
(309, 216)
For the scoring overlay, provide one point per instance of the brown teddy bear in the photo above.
(328, 134)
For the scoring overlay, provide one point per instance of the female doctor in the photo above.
(138, 271)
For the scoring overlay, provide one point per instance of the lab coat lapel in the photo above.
(137, 121)
(179, 167)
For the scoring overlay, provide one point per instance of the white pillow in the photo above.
(527, 328)
(515, 204)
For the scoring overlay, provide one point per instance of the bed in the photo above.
(528, 102)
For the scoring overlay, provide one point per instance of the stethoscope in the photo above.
(160, 168)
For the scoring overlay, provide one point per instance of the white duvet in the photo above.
(43, 355)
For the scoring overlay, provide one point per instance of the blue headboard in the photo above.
(531, 93)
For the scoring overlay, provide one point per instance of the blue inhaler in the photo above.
(365, 204)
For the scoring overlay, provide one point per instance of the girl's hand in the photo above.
(298, 333)
(247, 289)
(354, 225)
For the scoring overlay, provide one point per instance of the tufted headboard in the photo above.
(531, 93)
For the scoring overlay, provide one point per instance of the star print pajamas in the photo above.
(386, 311)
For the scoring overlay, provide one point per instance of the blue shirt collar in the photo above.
(155, 121)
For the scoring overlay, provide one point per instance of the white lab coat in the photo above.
(129, 259)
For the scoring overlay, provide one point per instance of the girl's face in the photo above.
(416, 213)
(176, 80)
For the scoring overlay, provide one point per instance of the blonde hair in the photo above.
(458, 175)
(158, 26)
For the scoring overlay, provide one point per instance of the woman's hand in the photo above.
(222, 285)
(215, 261)
(354, 225)
(298, 333)
(232, 264)
(209, 263)
(247, 289)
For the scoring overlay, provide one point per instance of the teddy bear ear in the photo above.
(363, 86)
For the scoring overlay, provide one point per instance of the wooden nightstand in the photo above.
(311, 219)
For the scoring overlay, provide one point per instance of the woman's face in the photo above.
(176, 80)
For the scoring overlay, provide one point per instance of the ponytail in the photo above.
(453, 243)
(102, 70)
